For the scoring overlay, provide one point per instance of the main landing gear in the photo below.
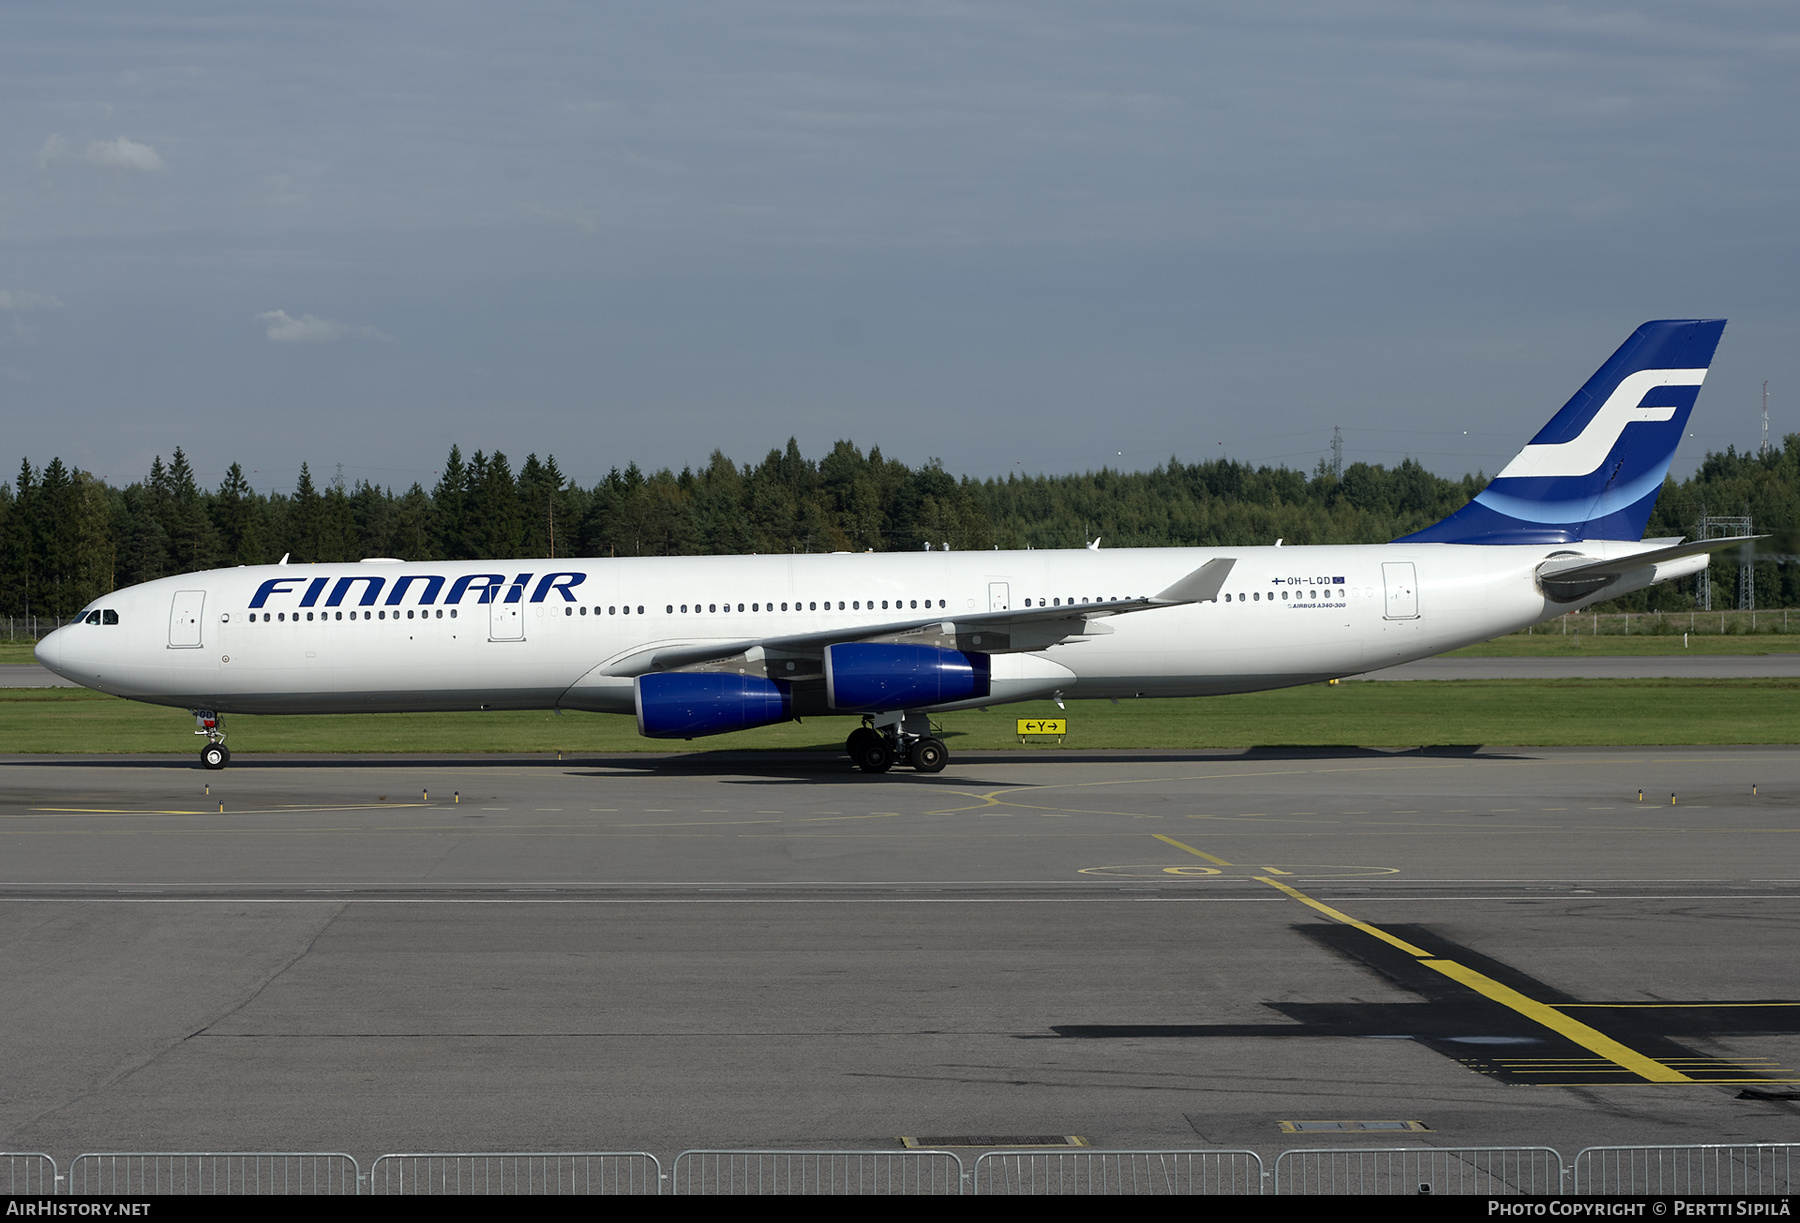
(878, 750)
(215, 755)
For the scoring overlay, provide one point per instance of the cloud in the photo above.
(20, 299)
(286, 329)
(123, 154)
(120, 154)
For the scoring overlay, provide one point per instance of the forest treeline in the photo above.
(66, 537)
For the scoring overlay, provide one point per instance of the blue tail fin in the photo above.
(1594, 471)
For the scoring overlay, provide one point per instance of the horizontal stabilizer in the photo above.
(1585, 568)
(1570, 578)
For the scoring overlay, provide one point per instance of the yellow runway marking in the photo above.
(1609, 1006)
(286, 809)
(113, 811)
(1576, 1031)
(1540, 1013)
(1198, 853)
(1336, 915)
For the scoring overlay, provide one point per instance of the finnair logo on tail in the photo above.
(1583, 455)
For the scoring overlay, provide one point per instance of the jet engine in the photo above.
(871, 675)
(689, 704)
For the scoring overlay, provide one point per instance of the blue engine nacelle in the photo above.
(868, 675)
(689, 704)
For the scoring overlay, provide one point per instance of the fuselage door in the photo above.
(999, 598)
(184, 619)
(1402, 590)
(505, 620)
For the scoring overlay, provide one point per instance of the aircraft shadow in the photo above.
(774, 764)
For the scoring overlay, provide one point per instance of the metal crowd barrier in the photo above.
(1755, 1168)
(1087, 1171)
(1484, 1171)
(807, 1173)
(1735, 1169)
(130, 1173)
(554, 1173)
(27, 1174)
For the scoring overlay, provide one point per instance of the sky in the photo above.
(1035, 237)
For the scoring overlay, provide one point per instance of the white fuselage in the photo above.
(386, 636)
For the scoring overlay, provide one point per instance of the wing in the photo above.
(992, 632)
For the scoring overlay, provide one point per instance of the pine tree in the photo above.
(236, 520)
(449, 510)
(193, 542)
(306, 520)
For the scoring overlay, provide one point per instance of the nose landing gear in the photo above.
(215, 755)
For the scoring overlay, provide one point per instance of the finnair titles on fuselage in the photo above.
(700, 645)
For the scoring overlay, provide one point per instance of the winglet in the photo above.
(1200, 586)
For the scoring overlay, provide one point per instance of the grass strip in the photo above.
(1548, 713)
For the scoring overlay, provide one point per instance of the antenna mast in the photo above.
(1337, 448)
(1764, 451)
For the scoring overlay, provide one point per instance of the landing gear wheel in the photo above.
(930, 756)
(873, 755)
(215, 756)
(858, 737)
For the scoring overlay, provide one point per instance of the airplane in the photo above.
(700, 645)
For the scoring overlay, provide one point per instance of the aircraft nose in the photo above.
(49, 650)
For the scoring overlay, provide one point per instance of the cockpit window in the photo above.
(93, 617)
(109, 617)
